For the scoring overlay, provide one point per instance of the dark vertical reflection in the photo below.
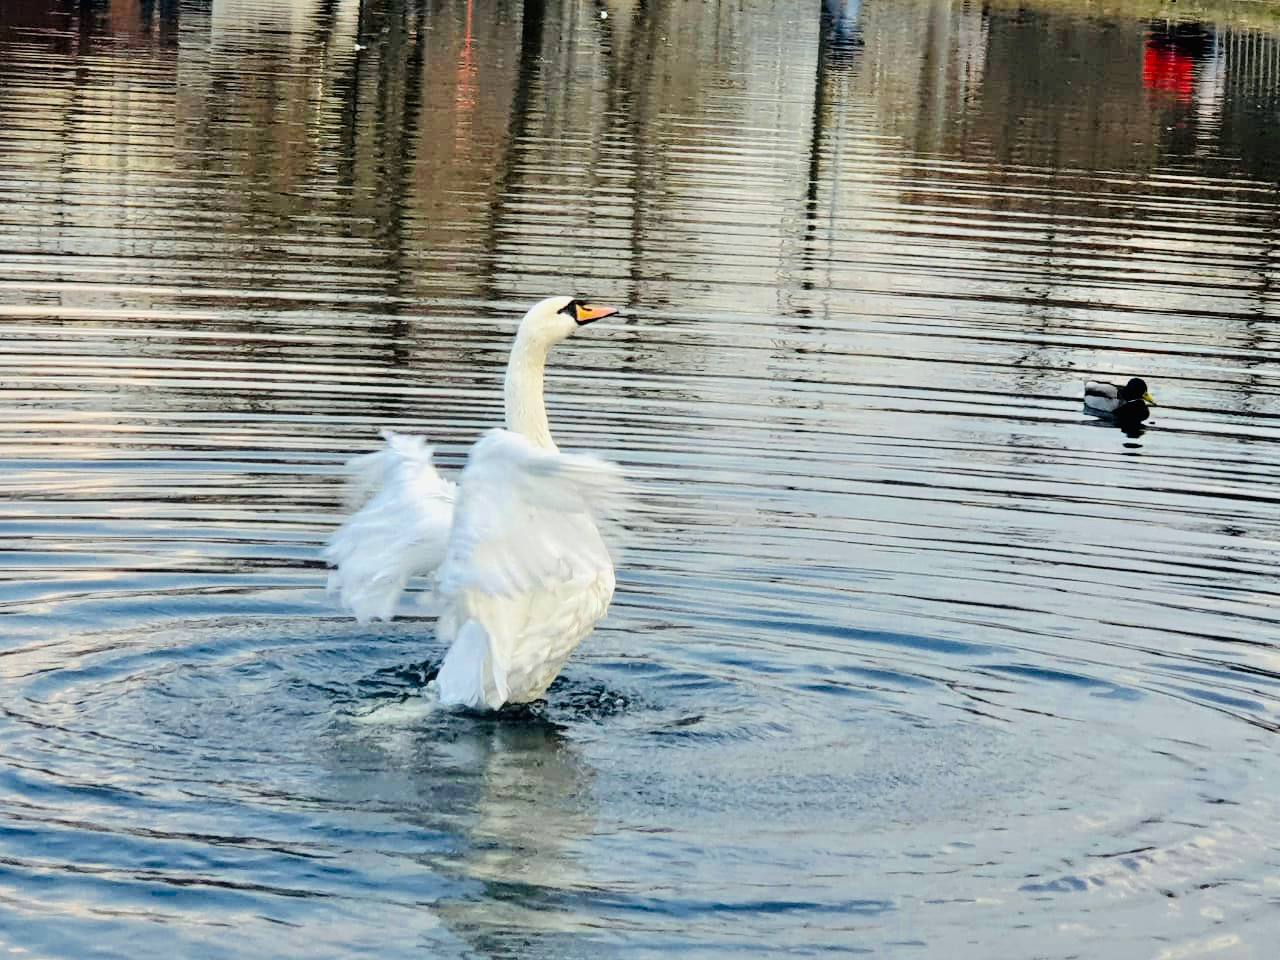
(348, 87)
(1250, 101)
(628, 47)
(400, 27)
(533, 18)
(839, 41)
(807, 253)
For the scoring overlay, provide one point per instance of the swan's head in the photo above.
(555, 318)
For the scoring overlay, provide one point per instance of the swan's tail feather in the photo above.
(469, 676)
(399, 530)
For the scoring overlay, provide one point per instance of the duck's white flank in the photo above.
(1101, 396)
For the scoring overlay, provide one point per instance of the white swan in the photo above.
(520, 571)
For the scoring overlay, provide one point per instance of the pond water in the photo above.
(909, 656)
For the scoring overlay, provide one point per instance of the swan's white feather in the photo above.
(400, 529)
(527, 568)
(469, 676)
(519, 515)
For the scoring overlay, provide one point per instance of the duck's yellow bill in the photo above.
(1149, 400)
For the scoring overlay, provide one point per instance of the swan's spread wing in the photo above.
(400, 528)
(521, 515)
(528, 570)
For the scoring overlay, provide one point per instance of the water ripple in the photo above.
(908, 652)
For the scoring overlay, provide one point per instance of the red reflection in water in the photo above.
(1167, 69)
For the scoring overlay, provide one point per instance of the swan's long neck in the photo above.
(525, 407)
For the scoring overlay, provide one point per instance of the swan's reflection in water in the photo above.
(511, 796)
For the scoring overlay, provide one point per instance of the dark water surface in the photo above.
(910, 656)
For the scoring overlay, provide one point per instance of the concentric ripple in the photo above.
(909, 654)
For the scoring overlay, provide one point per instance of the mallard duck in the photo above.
(1128, 404)
(516, 550)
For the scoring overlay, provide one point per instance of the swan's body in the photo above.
(520, 570)
(1128, 402)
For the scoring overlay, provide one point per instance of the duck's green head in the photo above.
(1136, 389)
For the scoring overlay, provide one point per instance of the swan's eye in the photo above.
(570, 309)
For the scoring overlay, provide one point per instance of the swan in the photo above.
(517, 549)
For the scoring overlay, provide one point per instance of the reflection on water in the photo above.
(910, 652)
(514, 796)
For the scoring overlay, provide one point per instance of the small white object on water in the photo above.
(604, 14)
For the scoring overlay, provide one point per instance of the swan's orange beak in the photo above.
(586, 313)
